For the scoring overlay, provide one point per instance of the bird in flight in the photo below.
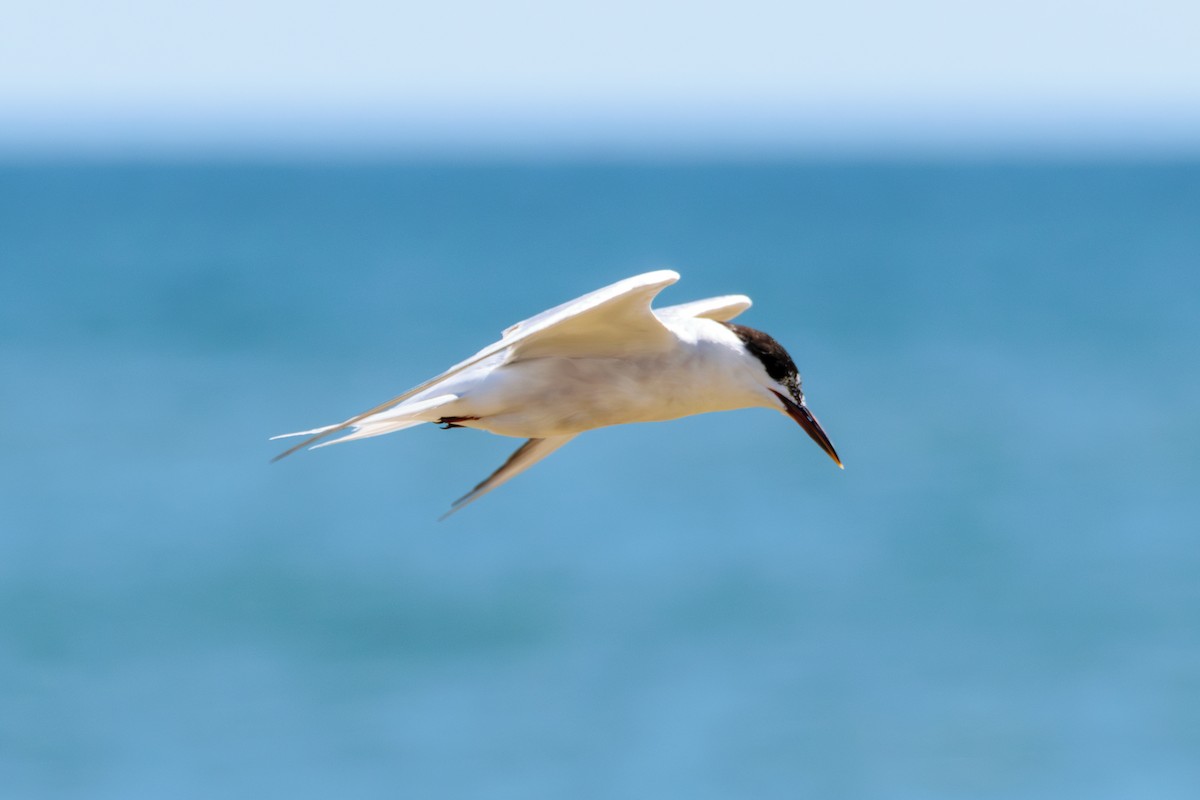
(606, 358)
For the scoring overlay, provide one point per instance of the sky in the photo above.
(475, 73)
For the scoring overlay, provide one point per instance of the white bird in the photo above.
(606, 358)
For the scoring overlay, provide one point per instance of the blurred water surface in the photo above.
(997, 598)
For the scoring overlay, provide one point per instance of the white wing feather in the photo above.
(654, 281)
(528, 454)
(721, 309)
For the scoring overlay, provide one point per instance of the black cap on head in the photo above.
(774, 358)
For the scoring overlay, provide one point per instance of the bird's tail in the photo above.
(405, 415)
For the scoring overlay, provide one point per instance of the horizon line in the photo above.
(749, 133)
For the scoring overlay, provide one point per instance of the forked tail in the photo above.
(397, 418)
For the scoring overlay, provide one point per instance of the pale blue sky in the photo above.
(754, 72)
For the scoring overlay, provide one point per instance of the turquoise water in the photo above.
(998, 598)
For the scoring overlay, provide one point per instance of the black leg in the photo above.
(453, 422)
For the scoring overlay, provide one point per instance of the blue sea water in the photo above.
(998, 598)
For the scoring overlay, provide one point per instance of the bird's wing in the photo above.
(612, 321)
(528, 454)
(721, 309)
(615, 320)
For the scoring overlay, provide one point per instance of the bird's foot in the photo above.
(453, 422)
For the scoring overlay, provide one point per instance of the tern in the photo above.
(606, 358)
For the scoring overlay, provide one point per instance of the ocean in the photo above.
(998, 598)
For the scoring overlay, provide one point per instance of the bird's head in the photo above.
(780, 378)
